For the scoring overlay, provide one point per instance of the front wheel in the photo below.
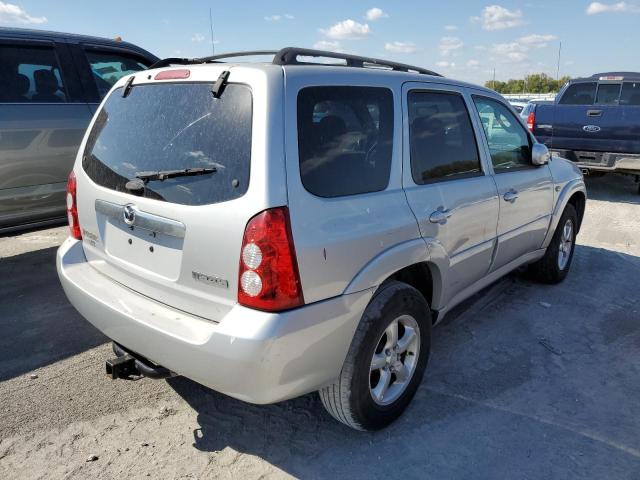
(386, 360)
(554, 266)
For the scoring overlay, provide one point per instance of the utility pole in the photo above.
(558, 70)
(213, 50)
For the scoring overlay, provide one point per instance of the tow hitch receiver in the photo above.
(122, 367)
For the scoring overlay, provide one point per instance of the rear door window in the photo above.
(579, 94)
(443, 145)
(30, 74)
(174, 126)
(630, 93)
(608, 94)
(109, 67)
(345, 139)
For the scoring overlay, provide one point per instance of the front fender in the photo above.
(571, 187)
(401, 256)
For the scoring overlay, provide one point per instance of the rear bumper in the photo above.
(254, 356)
(602, 161)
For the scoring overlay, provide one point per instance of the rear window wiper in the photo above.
(162, 175)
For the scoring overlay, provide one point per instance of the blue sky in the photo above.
(463, 39)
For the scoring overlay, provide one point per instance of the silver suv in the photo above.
(272, 229)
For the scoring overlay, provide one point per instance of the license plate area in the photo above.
(152, 251)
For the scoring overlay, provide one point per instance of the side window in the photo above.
(509, 143)
(109, 67)
(608, 93)
(579, 94)
(345, 139)
(30, 74)
(630, 94)
(443, 145)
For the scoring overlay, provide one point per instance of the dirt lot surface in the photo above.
(525, 381)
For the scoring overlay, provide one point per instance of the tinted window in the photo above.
(170, 127)
(109, 67)
(630, 93)
(608, 94)
(508, 141)
(443, 145)
(30, 74)
(579, 94)
(345, 139)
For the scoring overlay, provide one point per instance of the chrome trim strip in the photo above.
(144, 220)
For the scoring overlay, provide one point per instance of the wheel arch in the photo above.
(416, 263)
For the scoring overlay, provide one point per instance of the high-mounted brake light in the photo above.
(613, 78)
(72, 207)
(179, 74)
(268, 278)
(531, 121)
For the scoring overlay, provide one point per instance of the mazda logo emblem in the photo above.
(129, 214)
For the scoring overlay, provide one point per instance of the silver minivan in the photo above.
(50, 86)
(272, 229)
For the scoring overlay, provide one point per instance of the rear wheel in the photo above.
(554, 266)
(386, 360)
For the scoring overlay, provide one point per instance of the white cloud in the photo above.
(537, 41)
(10, 14)
(197, 38)
(513, 51)
(374, 14)
(449, 44)
(327, 45)
(445, 64)
(596, 7)
(473, 64)
(277, 18)
(451, 28)
(347, 30)
(495, 17)
(400, 47)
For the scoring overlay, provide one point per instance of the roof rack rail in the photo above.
(289, 56)
(210, 59)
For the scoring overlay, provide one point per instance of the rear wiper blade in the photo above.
(162, 175)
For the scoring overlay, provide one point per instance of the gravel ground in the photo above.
(525, 381)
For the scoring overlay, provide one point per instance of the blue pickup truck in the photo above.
(594, 122)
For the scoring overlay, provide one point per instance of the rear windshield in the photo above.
(174, 126)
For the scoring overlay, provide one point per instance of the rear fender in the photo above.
(401, 256)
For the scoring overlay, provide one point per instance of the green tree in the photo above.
(534, 83)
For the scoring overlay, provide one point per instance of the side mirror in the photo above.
(540, 154)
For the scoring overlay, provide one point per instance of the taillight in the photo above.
(72, 207)
(531, 121)
(268, 278)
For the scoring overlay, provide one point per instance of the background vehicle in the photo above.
(268, 238)
(530, 108)
(594, 122)
(50, 86)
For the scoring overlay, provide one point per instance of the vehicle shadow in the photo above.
(515, 389)
(38, 326)
(613, 188)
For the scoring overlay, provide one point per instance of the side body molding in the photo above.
(575, 185)
(403, 255)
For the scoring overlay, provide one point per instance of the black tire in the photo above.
(548, 269)
(349, 400)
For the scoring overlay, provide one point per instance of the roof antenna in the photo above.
(213, 50)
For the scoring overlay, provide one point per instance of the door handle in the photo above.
(594, 113)
(440, 216)
(511, 196)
